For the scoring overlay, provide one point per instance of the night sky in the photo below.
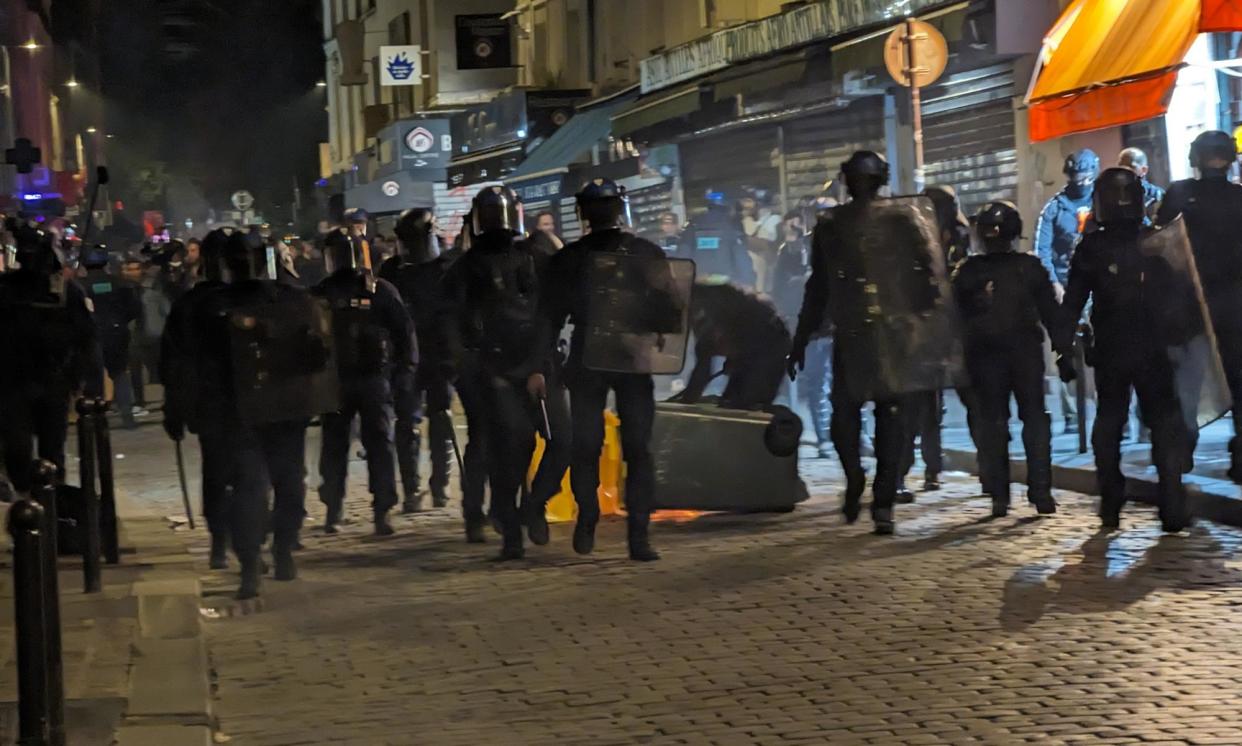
(221, 91)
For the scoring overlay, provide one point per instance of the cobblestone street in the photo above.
(771, 629)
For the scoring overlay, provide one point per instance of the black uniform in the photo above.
(49, 338)
(187, 408)
(495, 332)
(836, 288)
(1004, 298)
(588, 391)
(377, 353)
(1211, 207)
(747, 331)
(428, 393)
(1129, 356)
(249, 459)
(117, 305)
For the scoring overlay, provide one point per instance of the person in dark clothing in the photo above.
(417, 272)
(1130, 291)
(50, 348)
(1211, 205)
(377, 354)
(543, 239)
(117, 305)
(836, 290)
(748, 333)
(253, 459)
(1136, 160)
(496, 335)
(925, 410)
(185, 405)
(604, 206)
(1005, 297)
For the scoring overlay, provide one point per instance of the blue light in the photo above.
(36, 196)
(321, 183)
(521, 133)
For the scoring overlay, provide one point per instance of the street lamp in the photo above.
(322, 84)
(72, 83)
(91, 130)
(32, 45)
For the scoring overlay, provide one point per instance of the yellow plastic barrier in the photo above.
(562, 507)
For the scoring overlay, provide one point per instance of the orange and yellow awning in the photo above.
(1111, 62)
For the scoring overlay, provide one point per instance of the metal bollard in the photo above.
(107, 495)
(89, 530)
(44, 492)
(26, 528)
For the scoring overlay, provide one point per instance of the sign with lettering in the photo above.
(789, 30)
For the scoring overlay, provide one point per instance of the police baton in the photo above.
(185, 491)
(547, 427)
(452, 430)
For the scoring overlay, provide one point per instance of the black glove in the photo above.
(1065, 367)
(797, 359)
(175, 428)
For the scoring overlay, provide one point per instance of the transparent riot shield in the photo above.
(910, 308)
(1181, 324)
(638, 312)
(283, 360)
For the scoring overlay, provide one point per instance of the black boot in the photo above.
(536, 519)
(332, 520)
(286, 568)
(219, 551)
(852, 506)
(439, 498)
(638, 539)
(1000, 507)
(584, 536)
(251, 570)
(883, 519)
(512, 548)
(931, 483)
(382, 526)
(1044, 505)
(476, 532)
(904, 495)
(413, 503)
(1110, 514)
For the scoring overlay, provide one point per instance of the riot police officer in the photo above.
(499, 346)
(243, 348)
(603, 205)
(117, 305)
(417, 272)
(837, 288)
(1132, 292)
(377, 353)
(1004, 297)
(186, 406)
(1211, 205)
(48, 338)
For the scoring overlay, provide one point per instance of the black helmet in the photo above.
(998, 225)
(1213, 146)
(1081, 163)
(1118, 198)
(211, 253)
(415, 230)
(602, 203)
(339, 251)
(249, 257)
(865, 173)
(34, 250)
(96, 257)
(497, 208)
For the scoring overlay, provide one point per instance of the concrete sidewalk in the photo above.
(1212, 495)
(135, 658)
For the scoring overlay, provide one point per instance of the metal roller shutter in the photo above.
(816, 146)
(968, 135)
(730, 162)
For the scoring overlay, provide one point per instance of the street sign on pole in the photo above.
(916, 55)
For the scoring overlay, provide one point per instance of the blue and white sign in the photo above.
(401, 65)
